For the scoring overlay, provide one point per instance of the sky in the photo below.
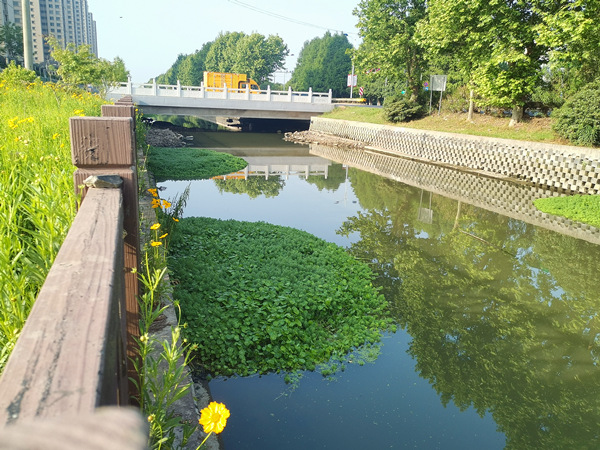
(149, 34)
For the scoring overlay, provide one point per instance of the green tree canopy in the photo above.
(79, 66)
(236, 52)
(11, 41)
(324, 64)
(191, 70)
(253, 54)
(388, 29)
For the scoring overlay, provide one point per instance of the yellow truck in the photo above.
(231, 80)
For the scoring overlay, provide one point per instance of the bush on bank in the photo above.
(37, 199)
(578, 120)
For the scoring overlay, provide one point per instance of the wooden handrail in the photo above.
(68, 357)
(74, 352)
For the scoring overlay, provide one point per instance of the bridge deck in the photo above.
(214, 102)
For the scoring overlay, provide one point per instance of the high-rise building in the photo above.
(7, 12)
(69, 21)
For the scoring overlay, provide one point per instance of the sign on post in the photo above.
(352, 80)
(437, 83)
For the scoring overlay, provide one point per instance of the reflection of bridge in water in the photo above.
(285, 166)
(504, 197)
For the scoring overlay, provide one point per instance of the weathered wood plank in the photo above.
(106, 145)
(107, 428)
(67, 357)
(102, 141)
(119, 110)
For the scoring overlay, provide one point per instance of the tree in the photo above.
(388, 29)
(259, 57)
(254, 55)
(496, 40)
(222, 54)
(571, 32)
(323, 64)
(79, 66)
(11, 41)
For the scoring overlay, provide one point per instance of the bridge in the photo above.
(210, 103)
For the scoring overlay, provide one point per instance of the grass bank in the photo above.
(37, 199)
(537, 129)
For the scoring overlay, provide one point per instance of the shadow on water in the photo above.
(498, 305)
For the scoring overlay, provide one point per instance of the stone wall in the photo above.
(557, 167)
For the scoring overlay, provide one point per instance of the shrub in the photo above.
(578, 120)
(399, 109)
(17, 74)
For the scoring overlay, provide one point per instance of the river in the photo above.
(498, 341)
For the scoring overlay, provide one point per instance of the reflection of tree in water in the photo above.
(336, 175)
(253, 186)
(503, 315)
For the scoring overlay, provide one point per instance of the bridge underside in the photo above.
(212, 113)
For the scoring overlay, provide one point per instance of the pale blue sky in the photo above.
(149, 34)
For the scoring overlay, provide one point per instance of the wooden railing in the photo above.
(73, 354)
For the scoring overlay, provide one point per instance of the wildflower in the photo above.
(12, 123)
(166, 204)
(154, 192)
(156, 226)
(151, 418)
(214, 417)
(155, 243)
(79, 112)
(155, 203)
(175, 219)
(55, 136)
(164, 236)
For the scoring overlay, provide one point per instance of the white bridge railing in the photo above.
(224, 93)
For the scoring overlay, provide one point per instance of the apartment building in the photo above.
(69, 21)
(7, 12)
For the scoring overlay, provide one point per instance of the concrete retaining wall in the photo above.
(558, 167)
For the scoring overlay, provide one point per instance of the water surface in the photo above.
(498, 337)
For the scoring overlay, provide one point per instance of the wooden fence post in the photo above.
(106, 145)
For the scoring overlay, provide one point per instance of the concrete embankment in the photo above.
(556, 167)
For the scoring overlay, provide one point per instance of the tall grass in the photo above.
(37, 199)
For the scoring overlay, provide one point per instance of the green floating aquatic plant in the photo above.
(581, 208)
(260, 298)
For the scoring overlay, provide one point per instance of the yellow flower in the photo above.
(175, 219)
(151, 418)
(155, 243)
(166, 204)
(155, 203)
(154, 192)
(55, 136)
(164, 236)
(156, 226)
(214, 417)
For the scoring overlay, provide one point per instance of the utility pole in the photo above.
(27, 36)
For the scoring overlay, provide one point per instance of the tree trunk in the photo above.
(517, 115)
(471, 105)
